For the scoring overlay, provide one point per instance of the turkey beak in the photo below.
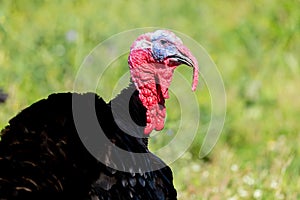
(184, 56)
(183, 59)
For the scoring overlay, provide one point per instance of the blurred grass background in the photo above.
(255, 45)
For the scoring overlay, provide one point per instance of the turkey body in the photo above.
(42, 155)
(77, 146)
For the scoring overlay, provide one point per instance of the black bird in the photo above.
(76, 146)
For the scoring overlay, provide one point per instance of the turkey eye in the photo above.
(163, 42)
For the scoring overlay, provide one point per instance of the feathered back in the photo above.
(42, 155)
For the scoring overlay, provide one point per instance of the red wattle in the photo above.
(152, 80)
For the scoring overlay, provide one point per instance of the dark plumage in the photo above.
(44, 152)
(46, 155)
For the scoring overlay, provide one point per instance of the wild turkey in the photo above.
(43, 153)
(3, 96)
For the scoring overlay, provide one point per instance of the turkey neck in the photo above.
(129, 113)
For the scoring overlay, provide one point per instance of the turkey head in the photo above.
(152, 60)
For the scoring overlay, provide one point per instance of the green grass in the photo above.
(255, 45)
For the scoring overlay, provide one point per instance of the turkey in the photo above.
(3, 96)
(77, 146)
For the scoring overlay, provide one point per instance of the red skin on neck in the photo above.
(152, 80)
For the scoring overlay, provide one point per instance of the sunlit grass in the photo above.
(255, 45)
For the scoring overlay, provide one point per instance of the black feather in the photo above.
(42, 155)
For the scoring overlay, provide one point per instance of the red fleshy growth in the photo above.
(153, 79)
(188, 53)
